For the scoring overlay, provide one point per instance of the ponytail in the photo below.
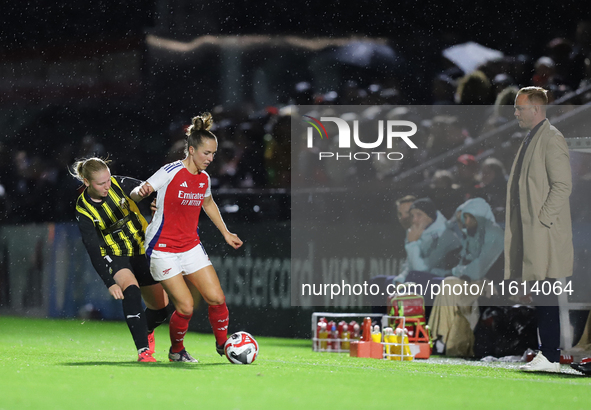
(84, 168)
(199, 130)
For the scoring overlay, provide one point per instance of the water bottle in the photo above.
(323, 336)
(345, 337)
(389, 338)
(334, 335)
(366, 330)
(356, 330)
(352, 325)
(376, 335)
(406, 350)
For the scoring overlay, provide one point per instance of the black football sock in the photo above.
(155, 318)
(134, 316)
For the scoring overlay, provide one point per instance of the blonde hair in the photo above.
(535, 95)
(84, 168)
(199, 130)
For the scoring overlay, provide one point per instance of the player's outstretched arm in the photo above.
(212, 210)
(141, 191)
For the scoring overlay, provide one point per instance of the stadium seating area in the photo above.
(255, 140)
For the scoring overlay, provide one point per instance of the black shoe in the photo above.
(182, 356)
(584, 368)
(220, 349)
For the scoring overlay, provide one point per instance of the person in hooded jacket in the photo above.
(454, 315)
(427, 244)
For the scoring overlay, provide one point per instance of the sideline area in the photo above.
(69, 364)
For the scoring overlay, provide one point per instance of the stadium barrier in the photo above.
(46, 272)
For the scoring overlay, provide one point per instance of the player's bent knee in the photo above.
(217, 299)
(184, 308)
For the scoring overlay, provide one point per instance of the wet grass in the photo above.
(75, 364)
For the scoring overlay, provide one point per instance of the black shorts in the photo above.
(137, 264)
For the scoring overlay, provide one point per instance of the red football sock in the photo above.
(179, 324)
(218, 318)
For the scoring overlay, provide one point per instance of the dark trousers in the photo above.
(546, 305)
(548, 323)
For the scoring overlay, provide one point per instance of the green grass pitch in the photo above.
(75, 364)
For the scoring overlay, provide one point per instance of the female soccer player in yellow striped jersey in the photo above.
(113, 232)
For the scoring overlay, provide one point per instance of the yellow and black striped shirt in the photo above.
(118, 223)
(112, 227)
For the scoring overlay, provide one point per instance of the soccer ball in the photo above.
(241, 348)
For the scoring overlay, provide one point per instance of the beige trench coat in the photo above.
(544, 188)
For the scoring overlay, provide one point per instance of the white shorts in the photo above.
(165, 265)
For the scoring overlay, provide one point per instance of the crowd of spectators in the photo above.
(463, 108)
(255, 146)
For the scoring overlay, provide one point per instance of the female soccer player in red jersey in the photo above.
(177, 257)
(113, 231)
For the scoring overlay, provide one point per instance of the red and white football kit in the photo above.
(172, 238)
(173, 245)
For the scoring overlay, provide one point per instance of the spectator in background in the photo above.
(474, 89)
(544, 70)
(382, 281)
(523, 67)
(446, 133)
(454, 316)
(403, 211)
(557, 90)
(468, 170)
(441, 191)
(443, 90)
(500, 82)
(503, 109)
(493, 186)
(559, 50)
(428, 242)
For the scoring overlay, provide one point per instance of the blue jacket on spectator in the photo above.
(481, 250)
(429, 251)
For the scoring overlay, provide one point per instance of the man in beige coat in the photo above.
(538, 230)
